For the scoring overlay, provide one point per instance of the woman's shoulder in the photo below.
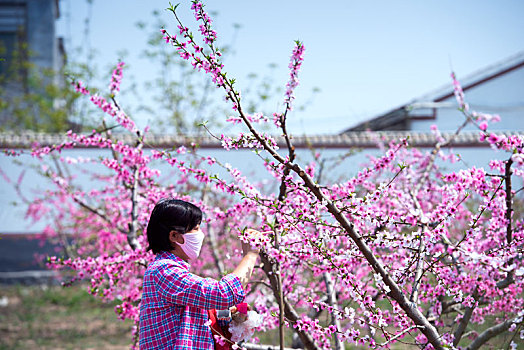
(161, 265)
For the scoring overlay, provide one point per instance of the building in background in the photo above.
(31, 22)
(497, 89)
(30, 52)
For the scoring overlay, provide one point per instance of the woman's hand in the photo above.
(237, 316)
(246, 247)
(247, 264)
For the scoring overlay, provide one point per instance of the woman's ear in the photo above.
(175, 237)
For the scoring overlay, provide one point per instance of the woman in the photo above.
(175, 302)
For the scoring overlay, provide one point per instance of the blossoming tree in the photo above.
(403, 252)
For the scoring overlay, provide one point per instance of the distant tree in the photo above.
(32, 97)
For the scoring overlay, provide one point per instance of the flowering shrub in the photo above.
(401, 252)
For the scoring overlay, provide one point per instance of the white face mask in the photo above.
(192, 244)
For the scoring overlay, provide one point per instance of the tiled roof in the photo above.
(349, 139)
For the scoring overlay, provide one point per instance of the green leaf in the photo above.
(172, 8)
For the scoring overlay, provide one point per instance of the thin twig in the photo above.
(398, 336)
(435, 151)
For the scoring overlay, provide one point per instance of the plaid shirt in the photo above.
(173, 310)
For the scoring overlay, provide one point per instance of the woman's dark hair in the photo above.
(170, 215)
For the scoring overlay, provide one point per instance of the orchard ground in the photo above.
(53, 317)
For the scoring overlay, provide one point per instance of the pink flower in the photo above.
(493, 138)
(483, 126)
(296, 61)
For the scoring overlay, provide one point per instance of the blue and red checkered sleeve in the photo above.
(181, 287)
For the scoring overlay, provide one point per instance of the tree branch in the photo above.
(507, 176)
(509, 230)
(289, 311)
(133, 225)
(251, 346)
(491, 332)
(281, 196)
(506, 282)
(464, 321)
(332, 300)
(398, 336)
(213, 241)
(421, 247)
(435, 150)
(396, 293)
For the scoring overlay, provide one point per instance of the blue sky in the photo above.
(365, 56)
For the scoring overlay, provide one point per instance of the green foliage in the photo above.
(34, 98)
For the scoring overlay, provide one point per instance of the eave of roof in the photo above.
(475, 79)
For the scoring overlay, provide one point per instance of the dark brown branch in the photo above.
(507, 176)
(509, 230)
(421, 247)
(464, 321)
(212, 240)
(281, 197)
(250, 346)
(520, 189)
(332, 300)
(506, 282)
(289, 311)
(133, 225)
(490, 333)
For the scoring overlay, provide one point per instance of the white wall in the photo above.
(12, 217)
